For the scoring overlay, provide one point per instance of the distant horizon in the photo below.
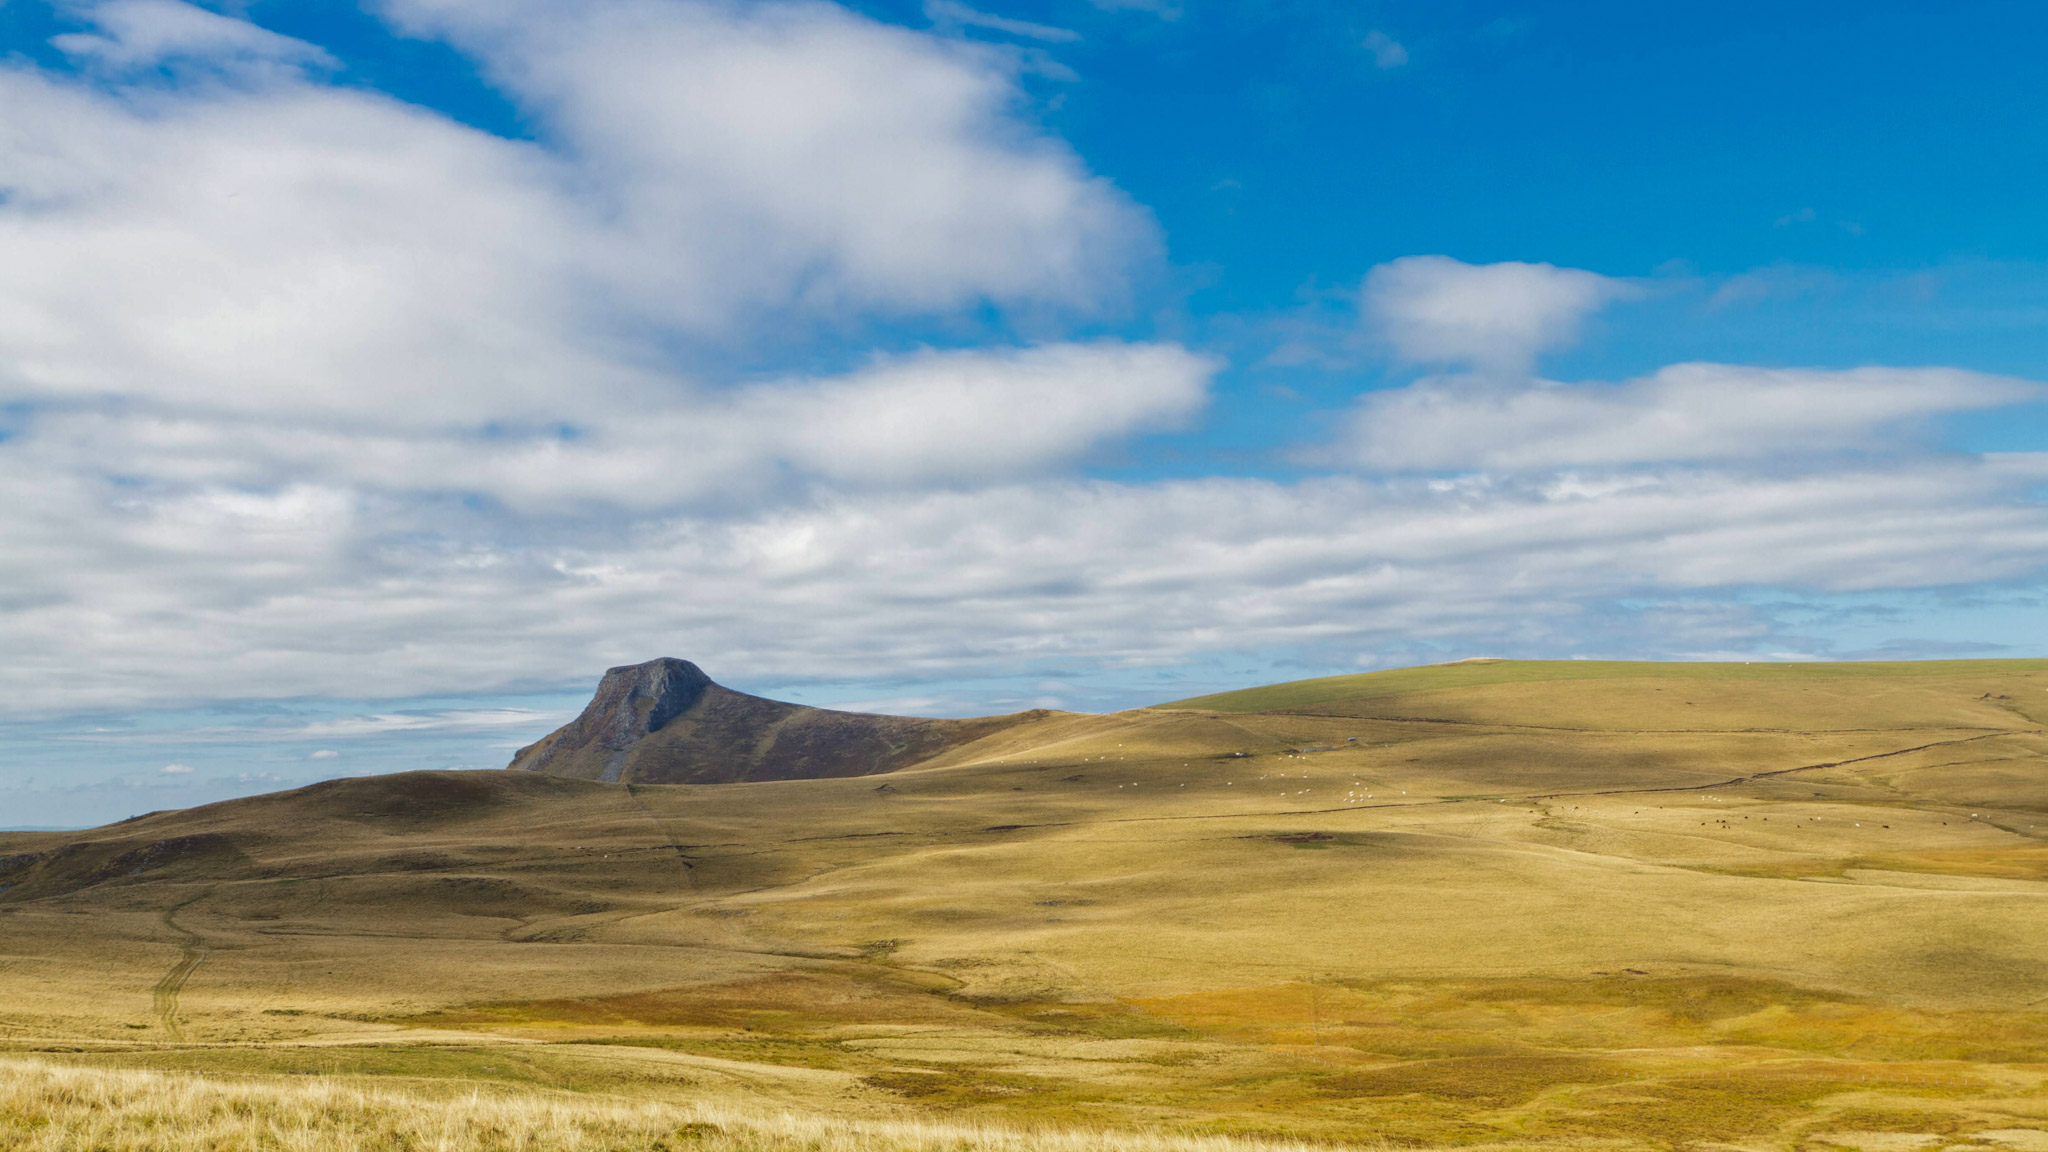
(253, 788)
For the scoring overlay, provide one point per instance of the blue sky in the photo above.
(371, 377)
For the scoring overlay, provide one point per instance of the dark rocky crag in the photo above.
(666, 722)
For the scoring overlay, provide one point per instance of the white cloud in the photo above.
(326, 252)
(953, 14)
(799, 149)
(1387, 52)
(264, 319)
(460, 719)
(111, 610)
(977, 415)
(175, 770)
(1495, 318)
(325, 754)
(337, 727)
(311, 252)
(1686, 412)
(148, 33)
(930, 417)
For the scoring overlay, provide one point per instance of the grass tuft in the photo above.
(54, 1108)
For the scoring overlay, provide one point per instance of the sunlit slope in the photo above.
(1480, 901)
(1636, 694)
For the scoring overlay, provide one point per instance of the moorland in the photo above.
(1494, 903)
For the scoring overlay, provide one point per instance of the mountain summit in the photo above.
(666, 722)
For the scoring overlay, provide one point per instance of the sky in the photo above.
(373, 376)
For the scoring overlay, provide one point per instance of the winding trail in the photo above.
(1735, 781)
(191, 954)
(681, 850)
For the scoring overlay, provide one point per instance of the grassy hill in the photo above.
(1578, 903)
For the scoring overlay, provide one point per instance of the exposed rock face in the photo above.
(665, 722)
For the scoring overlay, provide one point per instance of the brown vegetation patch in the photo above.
(954, 1086)
(416, 894)
(1528, 1017)
(1493, 1081)
(1904, 1118)
(786, 1002)
(2028, 863)
(416, 798)
(74, 867)
(1718, 1106)
(1108, 1020)
(1678, 1000)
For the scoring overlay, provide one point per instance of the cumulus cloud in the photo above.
(321, 251)
(976, 415)
(312, 252)
(1495, 318)
(1683, 413)
(800, 150)
(254, 299)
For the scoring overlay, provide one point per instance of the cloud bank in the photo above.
(318, 592)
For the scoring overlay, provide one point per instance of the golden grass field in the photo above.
(1557, 905)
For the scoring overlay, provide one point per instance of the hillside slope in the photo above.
(1653, 906)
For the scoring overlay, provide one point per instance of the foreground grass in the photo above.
(53, 1108)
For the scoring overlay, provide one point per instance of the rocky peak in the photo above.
(633, 701)
(636, 700)
(666, 722)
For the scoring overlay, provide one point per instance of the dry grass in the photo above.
(1653, 905)
(52, 1108)
(1488, 673)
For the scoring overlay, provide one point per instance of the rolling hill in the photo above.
(1558, 904)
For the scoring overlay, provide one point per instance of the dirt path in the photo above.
(682, 850)
(191, 954)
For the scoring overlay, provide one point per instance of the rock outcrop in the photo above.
(666, 722)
